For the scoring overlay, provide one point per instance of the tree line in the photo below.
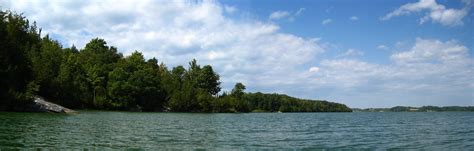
(431, 109)
(99, 77)
(419, 109)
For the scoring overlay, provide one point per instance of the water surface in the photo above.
(111, 130)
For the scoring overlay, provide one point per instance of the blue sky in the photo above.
(362, 53)
(364, 33)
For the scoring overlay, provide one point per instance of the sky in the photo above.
(361, 53)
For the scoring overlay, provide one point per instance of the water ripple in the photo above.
(114, 130)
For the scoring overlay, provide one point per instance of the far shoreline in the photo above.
(418, 109)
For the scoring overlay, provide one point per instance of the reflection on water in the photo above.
(102, 130)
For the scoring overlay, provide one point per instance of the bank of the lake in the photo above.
(113, 130)
(418, 109)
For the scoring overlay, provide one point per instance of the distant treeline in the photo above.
(98, 77)
(417, 109)
(285, 103)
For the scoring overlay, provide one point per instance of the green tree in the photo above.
(174, 88)
(73, 81)
(135, 83)
(17, 39)
(209, 80)
(46, 64)
(238, 90)
(98, 60)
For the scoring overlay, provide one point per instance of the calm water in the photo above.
(110, 130)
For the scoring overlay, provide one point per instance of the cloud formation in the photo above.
(278, 15)
(430, 72)
(382, 47)
(351, 53)
(433, 50)
(436, 12)
(354, 18)
(326, 21)
(301, 10)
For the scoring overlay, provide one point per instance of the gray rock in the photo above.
(41, 105)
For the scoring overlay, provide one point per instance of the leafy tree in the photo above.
(209, 80)
(238, 90)
(136, 83)
(17, 38)
(73, 83)
(46, 63)
(98, 60)
(174, 88)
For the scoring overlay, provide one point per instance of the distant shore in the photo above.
(417, 109)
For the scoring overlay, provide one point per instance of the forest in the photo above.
(99, 77)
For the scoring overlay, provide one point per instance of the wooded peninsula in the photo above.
(99, 77)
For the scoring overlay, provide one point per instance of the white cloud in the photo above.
(301, 10)
(351, 53)
(241, 50)
(426, 59)
(354, 18)
(437, 13)
(230, 9)
(430, 72)
(347, 73)
(278, 15)
(326, 21)
(382, 47)
(432, 50)
(313, 69)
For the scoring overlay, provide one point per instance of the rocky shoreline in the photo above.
(39, 104)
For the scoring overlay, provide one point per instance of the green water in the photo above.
(112, 130)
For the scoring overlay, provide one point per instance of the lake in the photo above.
(133, 130)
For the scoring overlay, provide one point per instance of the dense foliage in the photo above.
(284, 103)
(17, 40)
(98, 77)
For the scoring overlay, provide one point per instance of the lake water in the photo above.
(112, 130)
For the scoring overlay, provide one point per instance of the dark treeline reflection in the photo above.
(98, 77)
